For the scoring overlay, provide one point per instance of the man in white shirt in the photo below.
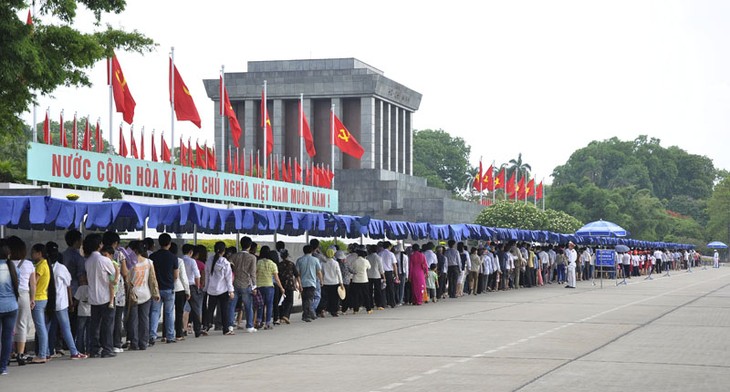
(196, 294)
(98, 271)
(572, 255)
(390, 265)
(716, 259)
(402, 259)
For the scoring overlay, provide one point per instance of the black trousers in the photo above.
(453, 276)
(375, 296)
(180, 299)
(102, 329)
(390, 288)
(361, 296)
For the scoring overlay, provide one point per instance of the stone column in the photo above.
(250, 126)
(367, 132)
(277, 122)
(408, 145)
(387, 129)
(394, 133)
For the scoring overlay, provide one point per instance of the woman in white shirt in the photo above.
(144, 287)
(331, 281)
(26, 289)
(182, 294)
(219, 285)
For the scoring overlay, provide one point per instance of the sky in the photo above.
(540, 78)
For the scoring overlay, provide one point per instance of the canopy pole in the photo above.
(2, 231)
(144, 228)
(195, 234)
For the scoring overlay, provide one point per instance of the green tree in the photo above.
(440, 158)
(36, 59)
(522, 168)
(718, 210)
(526, 216)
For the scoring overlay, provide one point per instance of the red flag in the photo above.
(250, 165)
(99, 140)
(86, 144)
(519, 190)
(47, 130)
(122, 144)
(75, 135)
(191, 161)
(185, 109)
(201, 156)
(212, 165)
(538, 192)
(122, 96)
(258, 168)
(330, 177)
(183, 154)
(275, 175)
(530, 188)
(229, 162)
(309, 175)
(306, 133)
(29, 20)
(154, 147)
(510, 185)
(62, 132)
(267, 121)
(241, 162)
(141, 145)
(489, 179)
(227, 110)
(297, 171)
(478, 179)
(285, 175)
(345, 141)
(499, 180)
(133, 145)
(166, 156)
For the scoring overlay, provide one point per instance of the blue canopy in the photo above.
(46, 213)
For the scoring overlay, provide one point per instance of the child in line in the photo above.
(83, 308)
(431, 279)
(114, 278)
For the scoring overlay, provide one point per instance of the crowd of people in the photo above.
(98, 298)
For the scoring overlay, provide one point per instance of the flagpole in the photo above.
(481, 180)
(172, 97)
(301, 127)
(505, 183)
(534, 194)
(266, 142)
(332, 141)
(543, 193)
(111, 97)
(223, 124)
(494, 190)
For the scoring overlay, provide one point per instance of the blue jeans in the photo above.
(167, 299)
(268, 294)
(61, 321)
(247, 296)
(39, 319)
(317, 297)
(7, 324)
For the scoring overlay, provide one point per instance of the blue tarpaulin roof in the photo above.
(46, 213)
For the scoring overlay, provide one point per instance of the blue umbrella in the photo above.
(717, 245)
(602, 228)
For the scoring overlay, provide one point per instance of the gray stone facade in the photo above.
(376, 110)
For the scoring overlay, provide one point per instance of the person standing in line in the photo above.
(98, 271)
(196, 294)
(118, 256)
(167, 272)
(244, 283)
(182, 294)
(376, 274)
(417, 275)
(359, 292)
(219, 285)
(43, 279)
(143, 290)
(331, 280)
(288, 276)
(267, 275)
(310, 274)
(402, 259)
(9, 294)
(26, 288)
(453, 261)
(63, 295)
(390, 267)
(572, 256)
(476, 267)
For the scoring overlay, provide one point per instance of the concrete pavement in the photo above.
(672, 333)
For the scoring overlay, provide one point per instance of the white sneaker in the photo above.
(251, 330)
(118, 350)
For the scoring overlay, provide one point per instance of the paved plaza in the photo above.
(668, 334)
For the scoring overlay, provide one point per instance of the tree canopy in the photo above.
(440, 158)
(49, 53)
(526, 216)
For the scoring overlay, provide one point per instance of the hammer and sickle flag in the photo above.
(185, 109)
(346, 141)
(120, 89)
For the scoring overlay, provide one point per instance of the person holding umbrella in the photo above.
(716, 259)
